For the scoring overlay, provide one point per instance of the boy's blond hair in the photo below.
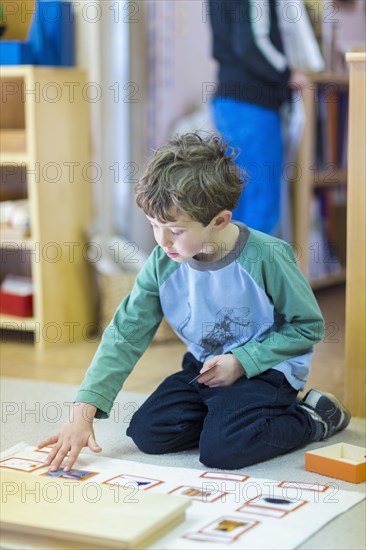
(190, 175)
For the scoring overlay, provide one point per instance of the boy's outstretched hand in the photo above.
(77, 433)
(221, 370)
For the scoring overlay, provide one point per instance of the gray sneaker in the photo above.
(326, 409)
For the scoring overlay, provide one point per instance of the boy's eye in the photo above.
(174, 233)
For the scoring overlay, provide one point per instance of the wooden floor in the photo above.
(68, 363)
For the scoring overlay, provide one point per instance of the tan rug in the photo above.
(33, 410)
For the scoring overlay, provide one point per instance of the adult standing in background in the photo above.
(254, 81)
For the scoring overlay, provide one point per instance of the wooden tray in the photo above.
(48, 511)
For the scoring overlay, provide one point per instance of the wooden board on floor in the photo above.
(88, 515)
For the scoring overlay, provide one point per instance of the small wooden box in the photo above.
(343, 461)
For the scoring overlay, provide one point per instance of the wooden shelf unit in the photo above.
(45, 130)
(312, 178)
(331, 279)
(355, 372)
(24, 324)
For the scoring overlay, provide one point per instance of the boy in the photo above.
(237, 299)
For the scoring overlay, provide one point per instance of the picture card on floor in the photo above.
(21, 464)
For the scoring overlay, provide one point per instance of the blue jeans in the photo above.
(256, 134)
(248, 422)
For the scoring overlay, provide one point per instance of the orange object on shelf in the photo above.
(342, 461)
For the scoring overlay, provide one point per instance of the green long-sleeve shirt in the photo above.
(253, 302)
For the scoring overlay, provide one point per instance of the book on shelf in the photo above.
(343, 130)
(327, 238)
(331, 127)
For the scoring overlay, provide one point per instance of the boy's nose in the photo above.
(166, 242)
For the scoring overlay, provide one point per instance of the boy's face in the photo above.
(185, 238)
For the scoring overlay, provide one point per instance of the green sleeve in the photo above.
(124, 341)
(300, 325)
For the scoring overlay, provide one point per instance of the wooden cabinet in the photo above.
(45, 158)
(356, 240)
(319, 187)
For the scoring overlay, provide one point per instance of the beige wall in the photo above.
(344, 30)
(352, 23)
(171, 88)
(169, 68)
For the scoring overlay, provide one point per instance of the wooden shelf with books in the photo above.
(320, 187)
(13, 239)
(13, 141)
(328, 280)
(14, 158)
(45, 209)
(23, 324)
(329, 177)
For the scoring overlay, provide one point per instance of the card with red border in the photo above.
(21, 464)
(142, 483)
(223, 529)
(198, 493)
(45, 450)
(275, 505)
(227, 476)
(315, 487)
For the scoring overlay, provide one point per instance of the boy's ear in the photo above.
(222, 219)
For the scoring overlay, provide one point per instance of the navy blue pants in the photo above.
(234, 426)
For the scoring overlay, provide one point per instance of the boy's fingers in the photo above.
(209, 364)
(74, 453)
(214, 382)
(207, 378)
(206, 368)
(51, 455)
(59, 458)
(47, 442)
(205, 371)
(93, 445)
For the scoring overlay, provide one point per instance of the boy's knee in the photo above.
(221, 451)
(144, 435)
(221, 456)
(140, 432)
